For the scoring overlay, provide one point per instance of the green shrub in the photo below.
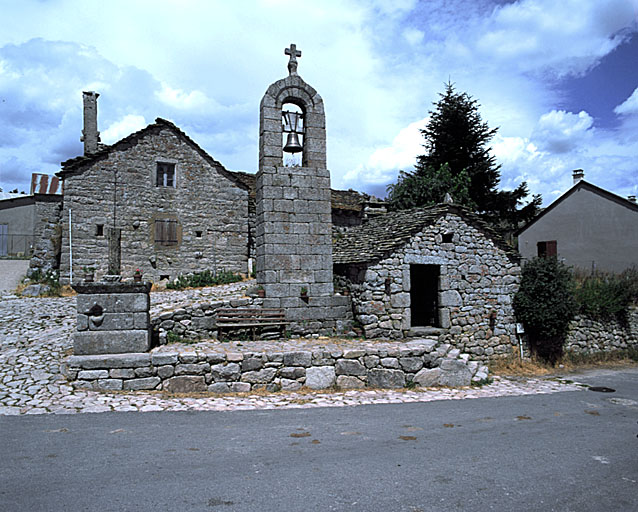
(545, 305)
(605, 296)
(204, 278)
(51, 278)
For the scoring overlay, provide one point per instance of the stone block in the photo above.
(114, 303)
(90, 362)
(109, 384)
(240, 387)
(185, 384)
(162, 358)
(166, 371)
(259, 377)
(93, 374)
(400, 300)
(219, 387)
(225, 372)
(192, 369)
(349, 367)
(290, 385)
(454, 373)
(293, 372)
(348, 382)
(427, 377)
(411, 364)
(122, 373)
(110, 342)
(389, 362)
(251, 363)
(320, 377)
(450, 298)
(138, 384)
(302, 358)
(387, 379)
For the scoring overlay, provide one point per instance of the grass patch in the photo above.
(204, 278)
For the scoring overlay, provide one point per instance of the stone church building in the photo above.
(324, 256)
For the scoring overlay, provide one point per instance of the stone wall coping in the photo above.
(104, 287)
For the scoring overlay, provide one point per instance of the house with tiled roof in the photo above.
(587, 227)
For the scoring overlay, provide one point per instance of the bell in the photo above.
(292, 144)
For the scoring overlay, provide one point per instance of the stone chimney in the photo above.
(578, 175)
(90, 135)
(632, 199)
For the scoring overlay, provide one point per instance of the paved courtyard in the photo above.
(36, 337)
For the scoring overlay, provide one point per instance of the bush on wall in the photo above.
(545, 305)
(604, 296)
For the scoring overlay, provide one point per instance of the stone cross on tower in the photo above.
(292, 63)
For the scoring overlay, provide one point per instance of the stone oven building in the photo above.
(437, 270)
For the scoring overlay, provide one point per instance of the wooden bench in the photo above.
(250, 318)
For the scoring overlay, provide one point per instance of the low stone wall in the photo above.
(194, 322)
(590, 336)
(418, 362)
(198, 321)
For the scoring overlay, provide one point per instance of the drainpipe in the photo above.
(70, 251)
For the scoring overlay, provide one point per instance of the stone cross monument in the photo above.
(294, 215)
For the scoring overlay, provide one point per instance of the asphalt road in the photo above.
(565, 451)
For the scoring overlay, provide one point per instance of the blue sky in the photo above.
(559, 80)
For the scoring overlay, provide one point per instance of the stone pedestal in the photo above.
(113, 318)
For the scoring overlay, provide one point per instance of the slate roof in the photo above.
(79, 163)
(383, 235)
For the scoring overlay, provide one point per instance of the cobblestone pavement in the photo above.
(36, 337)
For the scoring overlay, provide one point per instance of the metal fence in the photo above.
(16, 246)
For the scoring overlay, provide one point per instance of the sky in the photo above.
(559, 79)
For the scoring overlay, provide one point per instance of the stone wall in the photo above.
(476, 286)
(590, 336)
(197, 321)
(419, 362)
(113, 318)
(47, 230)
(210, 208)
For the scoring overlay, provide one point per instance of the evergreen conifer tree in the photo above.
(458, 161)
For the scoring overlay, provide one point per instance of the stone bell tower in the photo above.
(294, 219)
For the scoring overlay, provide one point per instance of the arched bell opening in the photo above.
(293, 130)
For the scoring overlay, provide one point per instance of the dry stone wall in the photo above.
(418, 362)
(476, 286)
(211, 211)
(588, 336)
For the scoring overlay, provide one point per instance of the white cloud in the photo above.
(559, 131)
(629, 106)
(384, 163)
(120, 129)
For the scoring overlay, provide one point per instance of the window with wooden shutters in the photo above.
(547, 249)
(166, 232)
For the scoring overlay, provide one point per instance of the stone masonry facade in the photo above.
(294, 215)
(46, 233)
(208, 208)
(476, 285)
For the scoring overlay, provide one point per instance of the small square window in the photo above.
(99, 230)
(547, 249)
(198, 234)
(447, 238)
(165, 176)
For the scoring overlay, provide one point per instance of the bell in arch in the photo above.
(293, 126)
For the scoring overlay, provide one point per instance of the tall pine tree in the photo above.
(458, 161)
